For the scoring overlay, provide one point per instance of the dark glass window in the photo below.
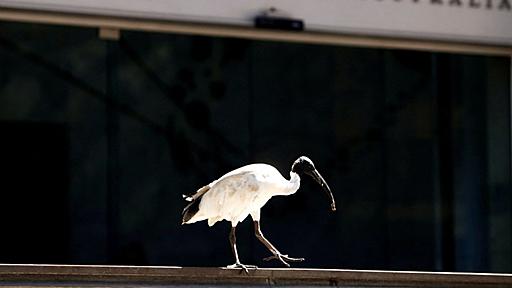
(100, 139)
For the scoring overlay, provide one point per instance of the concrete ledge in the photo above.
(138, 276)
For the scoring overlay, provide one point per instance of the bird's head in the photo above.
(304, 165)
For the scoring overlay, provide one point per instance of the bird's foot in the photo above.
(283, 258)
(245, 268)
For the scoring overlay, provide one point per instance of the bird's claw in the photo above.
(283, 259)
(245, 268)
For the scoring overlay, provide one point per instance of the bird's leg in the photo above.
(277, 255)
(232, 240)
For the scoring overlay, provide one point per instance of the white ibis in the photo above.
(242, 192)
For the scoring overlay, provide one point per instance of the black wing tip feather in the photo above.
(191, 210)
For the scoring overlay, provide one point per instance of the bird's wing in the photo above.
(192, 208)
(198, 193)
(235, 173)
(228, 192)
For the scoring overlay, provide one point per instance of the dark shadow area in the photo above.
(34, 212)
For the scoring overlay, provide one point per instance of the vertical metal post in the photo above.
(112, 130)
(443, 94)
(510, 124)
(437, 197)
(386, 198)
(250, 102)
(250, 123)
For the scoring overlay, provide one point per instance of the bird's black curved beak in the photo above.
(318, 178)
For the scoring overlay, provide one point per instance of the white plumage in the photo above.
(242, 192)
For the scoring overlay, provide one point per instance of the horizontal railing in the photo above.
(143, 276)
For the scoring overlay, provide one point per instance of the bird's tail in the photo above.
(190, 210)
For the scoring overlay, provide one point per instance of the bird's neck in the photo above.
(294, 182)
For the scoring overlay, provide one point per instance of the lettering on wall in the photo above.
(500, 5)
